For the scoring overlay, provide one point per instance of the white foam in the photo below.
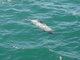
(60, 57)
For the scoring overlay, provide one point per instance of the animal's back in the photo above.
(41, 25)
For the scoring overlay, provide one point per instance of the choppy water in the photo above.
(23, 41)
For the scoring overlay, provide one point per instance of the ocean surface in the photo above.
(22, 40)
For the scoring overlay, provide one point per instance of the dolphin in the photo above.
(41, 25)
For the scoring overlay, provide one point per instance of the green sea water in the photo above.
(20, 40)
